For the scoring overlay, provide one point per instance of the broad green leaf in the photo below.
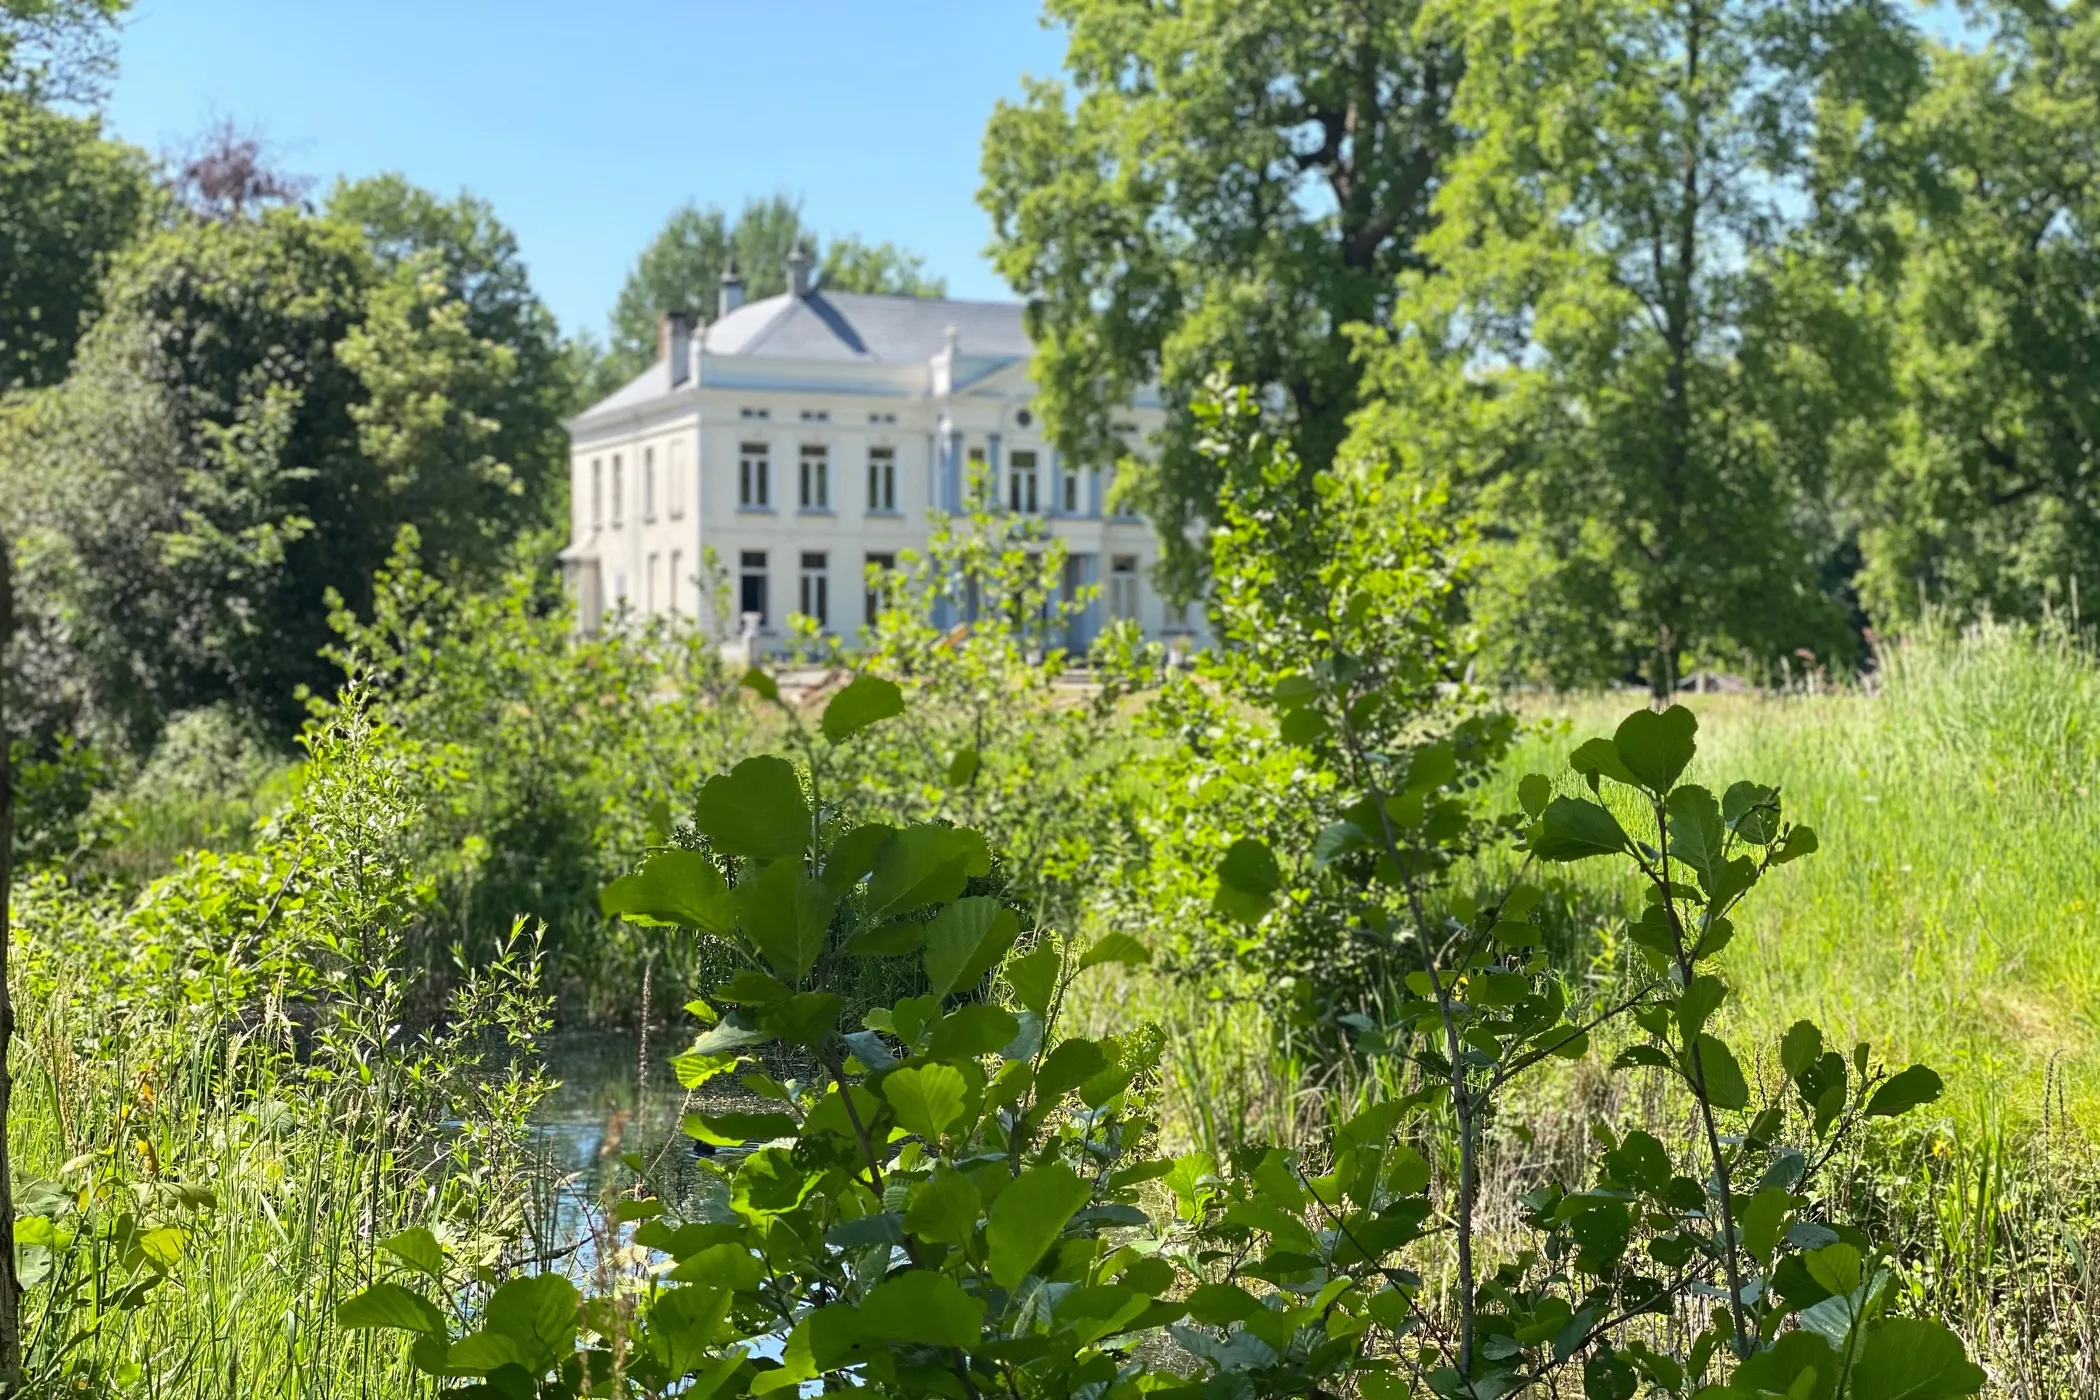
(1761, 1219)
(927, 1098)
(970, 1031)
(1696, 832)
(682, 1325)
(1033, 976)
(1071, 1064)
(804, 1019)
(962, 769)
(1799, 841)
(966, 940)
(1430, 767)
(756, 809)
(1800, 1048)
(1835, 1266)
(866, 700)
(944, 1208)
(1800, 1365)
(925, 1308)
(1725, 1084)
(787, 916)
(673, 887)
(1698, 1003)
(390, 1305)
(1303, 727)
(923, 865)
(1534, 791)
(1904, 1092)
(1914, 1359)
(1119, 948)
(417, 1248)
(1656, 748)
(1639, 1161)
(539, 1312)
(1248, 878)
(1028, 1216)
(488, 1350)
(1573, 829)
(1599, 758)
(730, 1129)
(759, 682)
(852, 856)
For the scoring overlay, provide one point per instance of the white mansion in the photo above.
(806, 436)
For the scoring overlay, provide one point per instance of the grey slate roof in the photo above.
(845, 328)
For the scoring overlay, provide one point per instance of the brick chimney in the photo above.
(674, 344)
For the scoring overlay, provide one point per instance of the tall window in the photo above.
(648, 483)
(751, 584)
(1020, 484)
(816, 588)
(597, 493)
(677, 581)
(676, 503)
(1070, 487)
(882, 479)
(652, 583)
(754, 470)
(1123, 587)
(878, 575)
(816, 477)
(617, 512)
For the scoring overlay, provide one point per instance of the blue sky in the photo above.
(586, 125)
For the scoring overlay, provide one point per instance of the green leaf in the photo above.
(486, 1351)
(1800, 1365)
(966, 940)
(763, 684)
(944, 1208)
(962, 769)
(390, 1305)
(1725, 1085)
(1533, 793)
(1573, 829)
(970, 1031)
(1028, 1216)
(539, 1313)
(756, 809)
(1904, 1092)
(924, 865)
(1595, 758)
(1303, 727)
(1033, 976)
(787, 916)
(927, 1098)
(1656, 748)
(1698, 1003)
(866, 700)
(1800, 1047)
(1697, 836)
(1914, 1359)
(1248, 879)
(417, 1248)
(925, 1308)
(1118, 948)
(730, 1129)
(1430, 767)
(1761, 1218)
(673, 887)
(853, 855)
(1071, 1064)
(1799, 841)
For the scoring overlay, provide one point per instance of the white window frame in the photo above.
(1123, 595)
(754, 476)
(676, 464)
(619, 506)
(1022, 497)
(817, 454)
(815, 593)
(882, 480)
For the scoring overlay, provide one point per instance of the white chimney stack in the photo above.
(674, 344)
(798, 269)
(732, 292)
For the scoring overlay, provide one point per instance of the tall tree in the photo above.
(1988, 498)
(1601, 344)
(681, 270)
(456, 276)
(1221, 184)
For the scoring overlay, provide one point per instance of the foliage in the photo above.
(256, 414)
(1221, 185)
(1598, 301)
(1984, 496)
(69, 199)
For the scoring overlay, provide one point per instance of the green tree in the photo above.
(471, 332)
(1988, 498)
(1222, 184)
(681, 270)
(1604, 345)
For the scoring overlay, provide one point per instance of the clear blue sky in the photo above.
(586, 125)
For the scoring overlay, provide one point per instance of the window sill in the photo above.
(755, 510)
(814, 510)
(886, 514)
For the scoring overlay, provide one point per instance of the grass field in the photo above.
(1952, 914)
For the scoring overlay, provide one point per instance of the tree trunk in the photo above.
(10, 1285)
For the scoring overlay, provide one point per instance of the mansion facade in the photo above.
(805, 437)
